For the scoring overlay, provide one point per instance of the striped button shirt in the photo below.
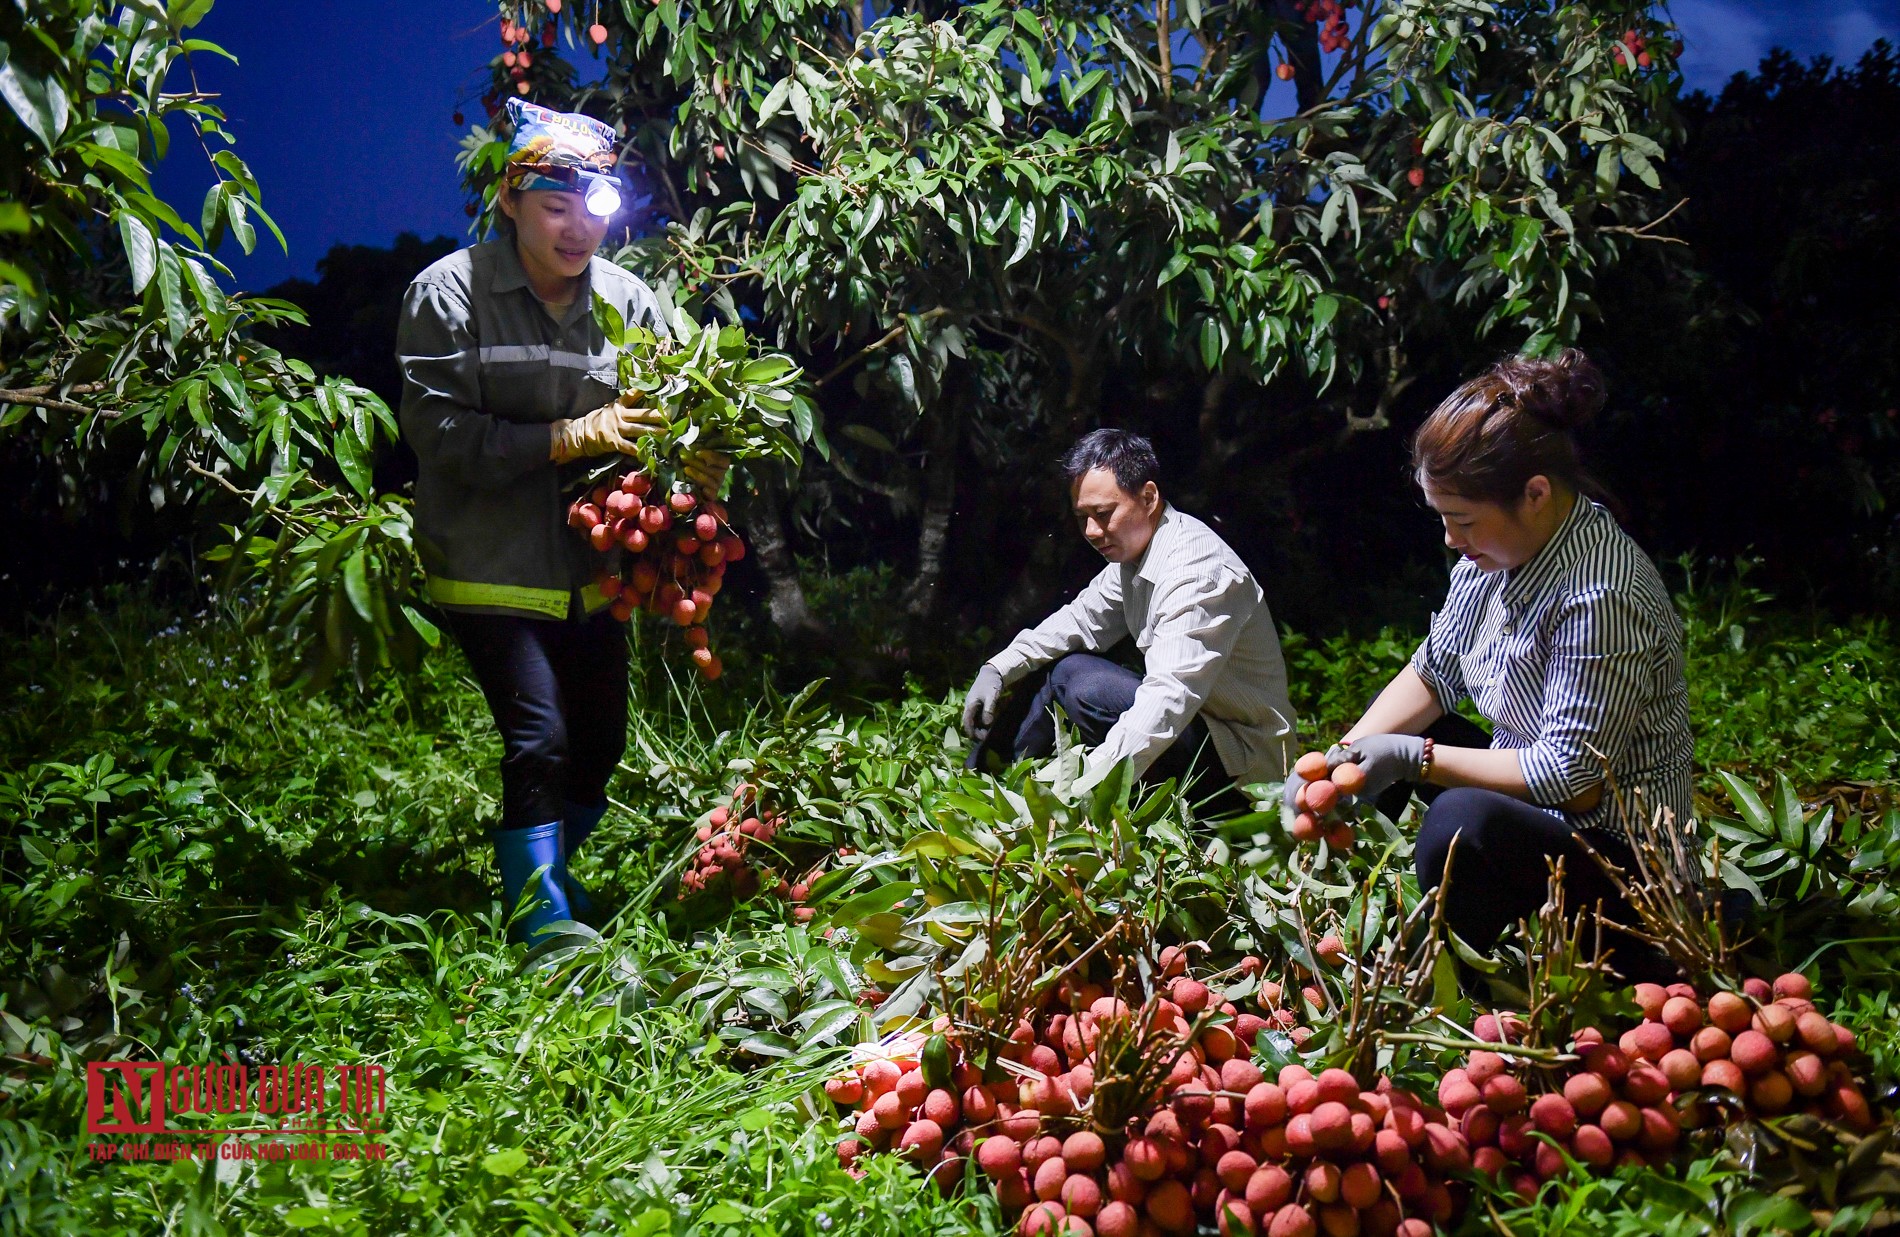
(1209, 648)
(486, 367)
(1578, 649)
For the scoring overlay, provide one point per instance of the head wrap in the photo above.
(563, 151)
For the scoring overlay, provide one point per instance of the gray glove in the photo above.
(1385, 759)
(1294, 782)
(979, 707)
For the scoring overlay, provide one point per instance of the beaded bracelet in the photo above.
(1425, 762)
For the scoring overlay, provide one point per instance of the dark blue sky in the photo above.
(343, 110)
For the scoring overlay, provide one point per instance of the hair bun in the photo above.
(1564, 392)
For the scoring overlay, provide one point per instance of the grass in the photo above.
(197, 868)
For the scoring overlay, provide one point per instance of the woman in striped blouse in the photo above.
(1558, 629)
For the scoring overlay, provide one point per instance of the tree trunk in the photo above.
(1056, 545)
(1054, 548)
(945, 423)
(764, 523)
(1215, 447)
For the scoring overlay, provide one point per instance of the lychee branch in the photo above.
(1549, 1056)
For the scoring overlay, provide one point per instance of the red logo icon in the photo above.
(125, 1097)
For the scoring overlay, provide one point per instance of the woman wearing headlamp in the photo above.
(508, 386)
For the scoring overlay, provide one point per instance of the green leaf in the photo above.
(909, 997)
(257, 208)
(505, 1163)
(766, 368)
(869, 437)
(870, 217)
(872, 902)
(612, 323)
(1609, 171)
(829, 1019)
(309, 1217)
(775, 99)
(1329, 216)
(1210, 344)
(1275, 1049)
(1754, 811)
(141, 249)
(1734, 878)
(356, 585)
(654, 1219)
(1790, 820)
(430, 633)
(211, 216)
(1638, 163)
(185, 14)
(769, 1044)
(1323, 310)
(171, 296)
(40, 103)
(234, 209)
(352, 460)
(1025, 234)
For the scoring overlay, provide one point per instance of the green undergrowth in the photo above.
(194, 867)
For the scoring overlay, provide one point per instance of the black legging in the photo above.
(558, 693)
(1500, 869)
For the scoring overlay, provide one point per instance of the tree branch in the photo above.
(37, 397)
(221, 479)
(903, 497)
(883, 341)
(1644, 233)
(1166, 51)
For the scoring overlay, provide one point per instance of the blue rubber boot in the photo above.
(533, 854)
(577, 824)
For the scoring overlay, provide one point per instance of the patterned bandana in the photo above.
(564, 151)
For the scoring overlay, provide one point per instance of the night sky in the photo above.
(344, 113)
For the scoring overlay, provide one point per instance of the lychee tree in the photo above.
(136, 378)
(976, 212)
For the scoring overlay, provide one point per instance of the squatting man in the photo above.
(1210, 706)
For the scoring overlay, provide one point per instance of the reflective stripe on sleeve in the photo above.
(551, 602)
(593, 600)
(525, 354)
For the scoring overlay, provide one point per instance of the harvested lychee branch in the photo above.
(717, 392)
(1394, 981)
(1678, 910)
(666, 552)
(666, 536)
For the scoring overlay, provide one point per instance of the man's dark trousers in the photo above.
(1093, 693)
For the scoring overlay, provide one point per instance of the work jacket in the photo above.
(1209, 650)
(486, 367)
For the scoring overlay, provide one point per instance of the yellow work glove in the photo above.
(706, 469)
(608, 429)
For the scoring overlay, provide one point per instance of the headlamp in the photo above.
(602, 197)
